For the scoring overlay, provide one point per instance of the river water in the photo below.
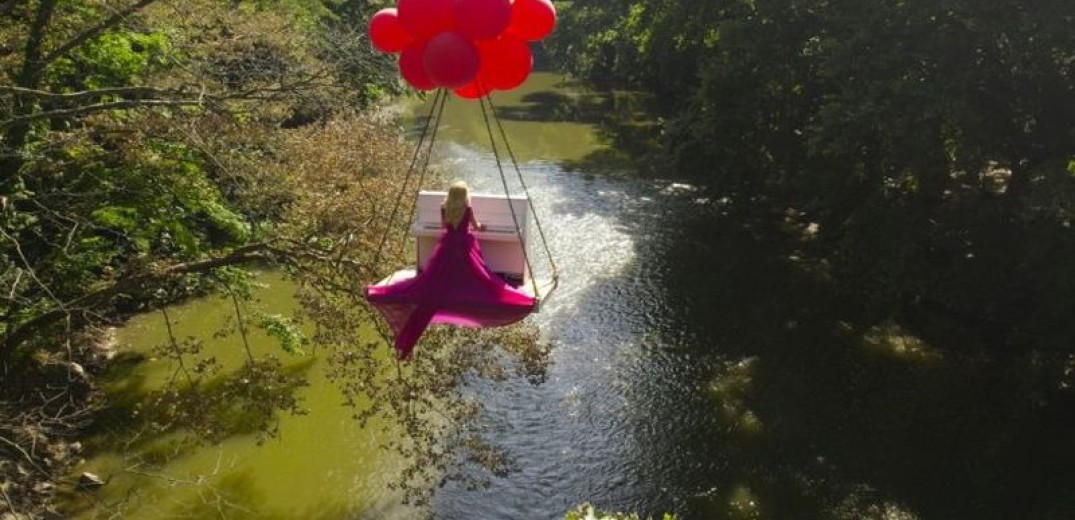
(696, 369)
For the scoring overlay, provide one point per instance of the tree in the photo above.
(153, 151)
(928, 142)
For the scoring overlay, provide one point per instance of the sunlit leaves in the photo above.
(114, 59)
(117, 217)
(285, 330)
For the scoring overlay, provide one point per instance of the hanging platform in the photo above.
(501, 245)
(463, 277)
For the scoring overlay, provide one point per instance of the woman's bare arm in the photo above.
(474, 222)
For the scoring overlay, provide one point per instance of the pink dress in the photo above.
(455, 288)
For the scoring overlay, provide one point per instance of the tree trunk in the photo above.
(29, 77)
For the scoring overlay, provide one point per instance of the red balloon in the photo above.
(481, 19)
(506, 63)
(411, 67)
(451, 60)
(472, 90)
(425, 18)
(386, 33)
(532, 20)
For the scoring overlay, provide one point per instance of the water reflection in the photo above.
(699, 367)
(321, 465)
(622, 400)
(556, 120)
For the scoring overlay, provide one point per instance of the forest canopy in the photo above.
(928, 147)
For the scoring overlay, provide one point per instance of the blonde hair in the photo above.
(455, 204)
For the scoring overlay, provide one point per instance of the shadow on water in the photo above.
(167, 436)
(745, 387)
(218, 402)
(148, 427)
(714, 373)
(620, 121)
(236, 497)
(814, 417)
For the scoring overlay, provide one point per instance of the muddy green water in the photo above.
(316, 468)
(322, 465)
(697, 368)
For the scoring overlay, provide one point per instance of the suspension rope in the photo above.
(425, 164)
(410, 171)
(431, 122)
(529, 199)
(507, 192)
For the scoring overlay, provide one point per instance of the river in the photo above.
(695, 369)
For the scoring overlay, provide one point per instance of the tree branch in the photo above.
(98, 107)
(137, 92)
(136, 97)
(241, 255)
(28, 75)
(26, 456)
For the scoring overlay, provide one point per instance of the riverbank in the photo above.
(48, 404)
(257, 477)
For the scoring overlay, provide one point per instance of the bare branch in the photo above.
(139, 97)
(29, 268)
(9, 502)
(114, 105)
(241, 255)
(175, 346)
(25, 455)
(139, 92)
(240, 321)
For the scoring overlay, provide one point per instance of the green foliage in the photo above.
(588, 512)
(113, 59)
(171, 151)
(285, 330)
(131, 151)
(922, 139)
(657, 45)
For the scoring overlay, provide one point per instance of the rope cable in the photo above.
(529, 199)
(507, 192)
(437, 99)
(425, 164)
(406, 180)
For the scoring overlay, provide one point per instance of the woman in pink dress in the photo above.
(456, 287)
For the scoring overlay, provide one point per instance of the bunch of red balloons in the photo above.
(471, 47)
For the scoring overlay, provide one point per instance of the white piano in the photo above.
(502, 246)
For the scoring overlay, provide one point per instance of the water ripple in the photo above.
(612, 421)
